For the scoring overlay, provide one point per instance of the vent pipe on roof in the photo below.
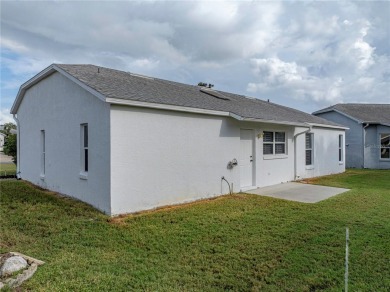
(214, 93)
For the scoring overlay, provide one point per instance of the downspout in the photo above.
(364, 144)
(295, 148)
(17, 147)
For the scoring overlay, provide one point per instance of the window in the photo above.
(309, 148)
(341, 148)
(43, 153)
(385, 146)
(274, 143)
(84, 148)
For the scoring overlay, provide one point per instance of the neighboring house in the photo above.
(124, 142)
(2, 136)
(367, 140)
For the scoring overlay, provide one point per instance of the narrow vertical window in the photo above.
(341, 148)
(84, 148)
(309, 148)
(43, 153)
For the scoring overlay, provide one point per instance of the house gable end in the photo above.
(320, 112)
(44, 74)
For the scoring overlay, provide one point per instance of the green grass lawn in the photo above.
(239, 242)
(7, 168)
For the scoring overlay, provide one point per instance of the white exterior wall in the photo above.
(274, 169)
(161, 157)
(59, 106)
(326, 153)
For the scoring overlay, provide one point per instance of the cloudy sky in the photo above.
(306, 55)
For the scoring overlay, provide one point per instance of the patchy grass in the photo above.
(7, 169)
(239, 242)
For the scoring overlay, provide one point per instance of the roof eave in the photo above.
(161, 106)
(32, 81)
(272, 121)
(42, 75)
(337, 111)
(328, 126)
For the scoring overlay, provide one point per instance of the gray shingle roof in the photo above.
(124, 85)
(373, 113)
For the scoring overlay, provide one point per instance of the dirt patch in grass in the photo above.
(121, 219)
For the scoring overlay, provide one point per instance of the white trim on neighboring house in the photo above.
(337, 111)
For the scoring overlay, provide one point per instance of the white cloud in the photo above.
(304, 54)
(6, 117)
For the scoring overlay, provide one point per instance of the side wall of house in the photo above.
(373, 147)
(353, 138)
(325, 156)
(160, 158)
(58, 106)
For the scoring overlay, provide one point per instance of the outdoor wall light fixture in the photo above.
(232, 163)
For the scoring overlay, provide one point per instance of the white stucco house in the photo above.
(124, 142)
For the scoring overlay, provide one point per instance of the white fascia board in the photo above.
(328, 126)
(275, 122)
(22, 89)
(43, 74)
(165, 107)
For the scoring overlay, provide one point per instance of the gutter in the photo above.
(364, 142)
(17, 147)
(295, 148)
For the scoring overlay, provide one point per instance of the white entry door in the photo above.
(246, 161)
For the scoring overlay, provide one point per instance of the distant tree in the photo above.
(10, 141)
(203, 84)
(7, 128)
(10, 147)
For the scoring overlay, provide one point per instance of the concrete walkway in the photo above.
(5, 159)
(299, 192)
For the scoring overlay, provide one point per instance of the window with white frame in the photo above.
(341, 148)
(43, 153)
(309, 141)
(274, 143)
(84, 147)
(385, 145)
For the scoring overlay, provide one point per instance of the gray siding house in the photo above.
(367, 140)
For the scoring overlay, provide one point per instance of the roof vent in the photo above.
(141, 76)
(214, 93)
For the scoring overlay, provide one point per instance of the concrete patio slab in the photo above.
(298, 192)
